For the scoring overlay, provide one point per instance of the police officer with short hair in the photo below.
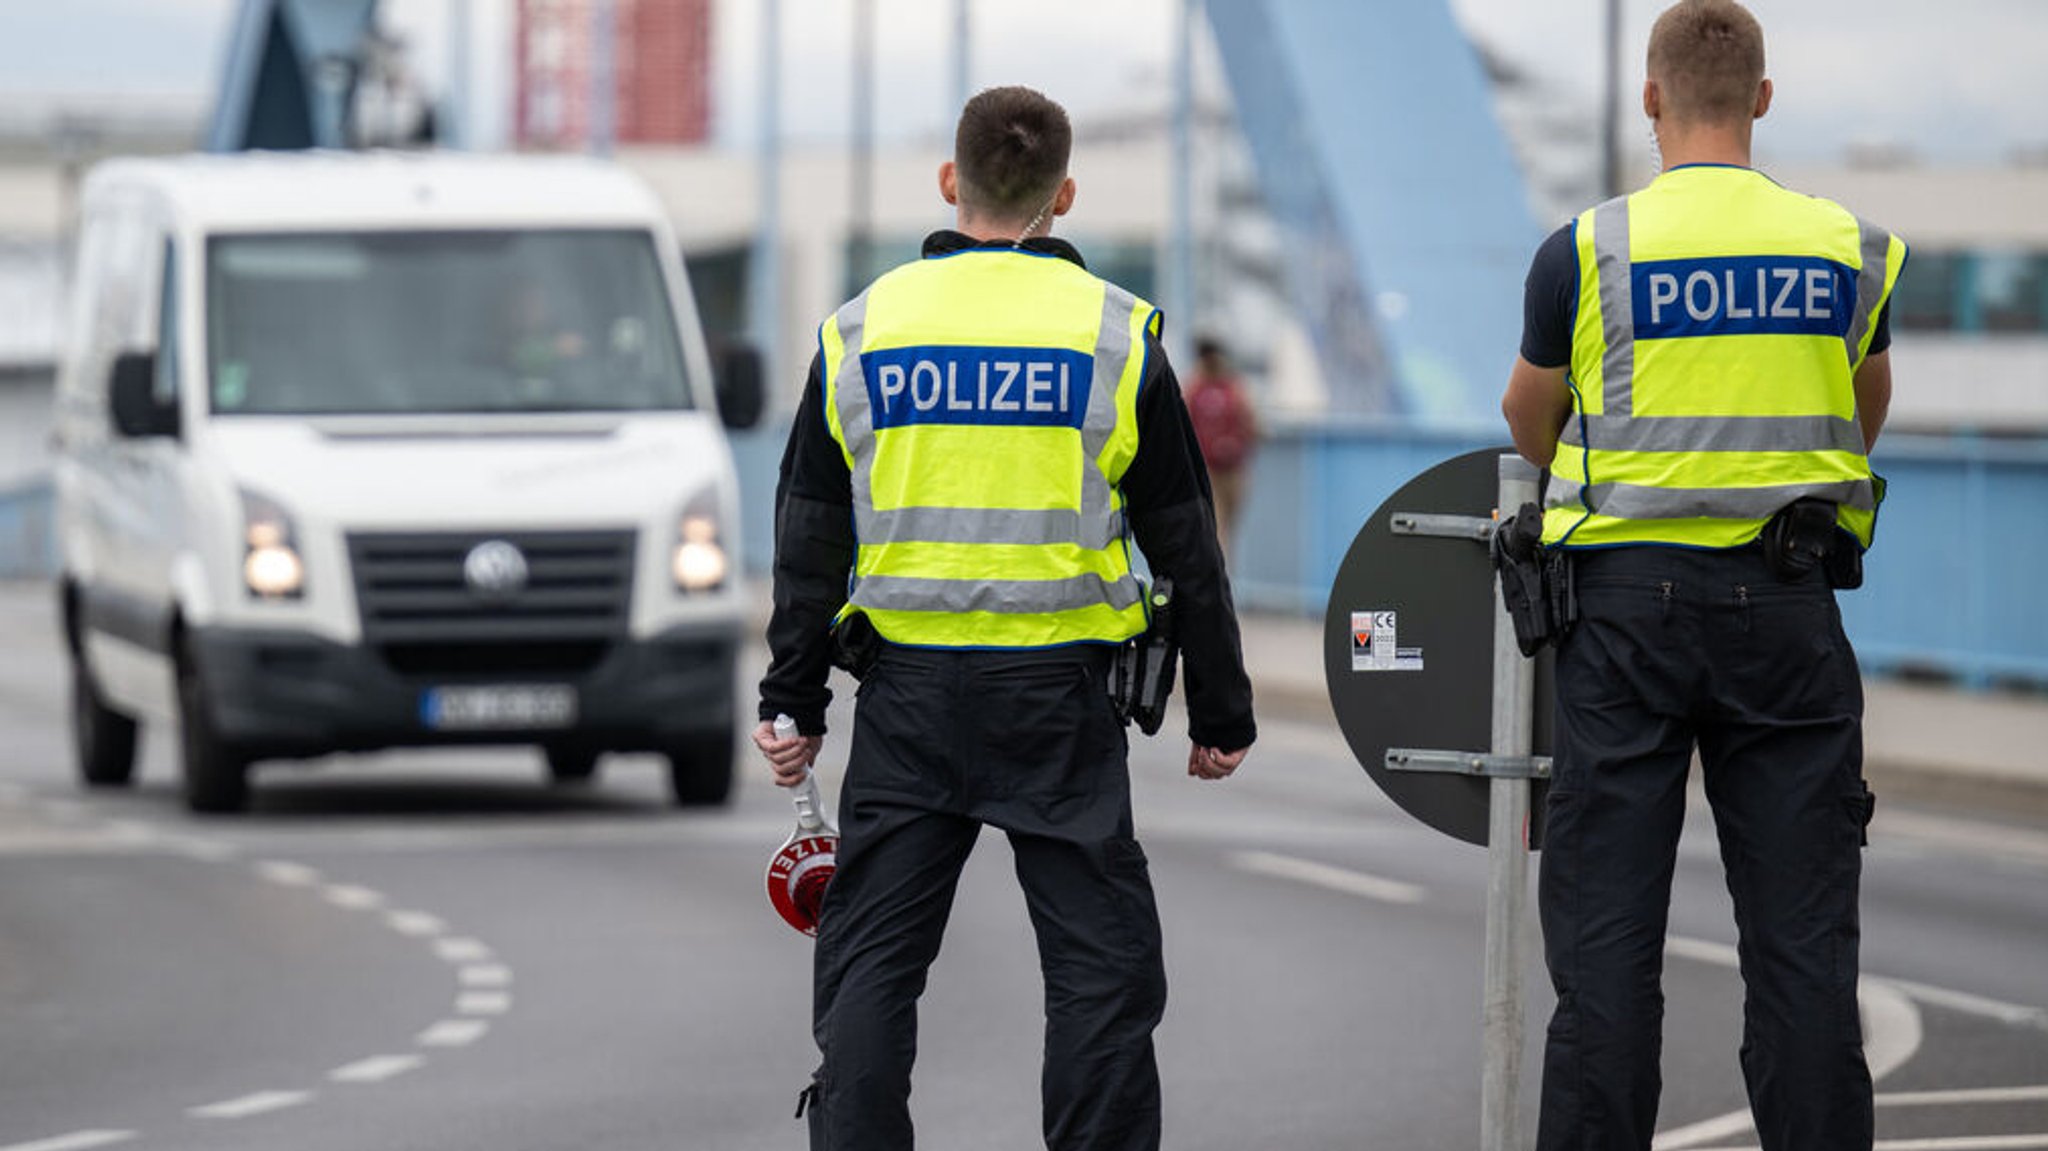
(1704, 368)
(983, 433)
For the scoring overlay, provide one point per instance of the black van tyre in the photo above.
(700, 768)
(216, 774)
(103, 739)
(569, 764)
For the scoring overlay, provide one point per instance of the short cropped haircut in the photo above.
(1707, 57)
(1010, 151)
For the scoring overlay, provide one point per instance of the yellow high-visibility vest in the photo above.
(986, 403)
(1720, 322)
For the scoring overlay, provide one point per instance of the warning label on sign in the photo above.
(1374, 644)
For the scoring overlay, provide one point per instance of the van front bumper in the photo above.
(287, 694)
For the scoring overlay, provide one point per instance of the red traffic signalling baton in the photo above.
(801, 868)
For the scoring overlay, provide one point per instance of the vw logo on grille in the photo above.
(494, 570)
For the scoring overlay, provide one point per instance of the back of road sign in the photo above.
(1408, 648)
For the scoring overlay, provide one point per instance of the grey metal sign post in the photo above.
(1421, 727)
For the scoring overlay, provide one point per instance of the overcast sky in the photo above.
(1955, 81)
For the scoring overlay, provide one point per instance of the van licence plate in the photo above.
(521, 707)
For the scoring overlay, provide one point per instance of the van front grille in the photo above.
(413, 590)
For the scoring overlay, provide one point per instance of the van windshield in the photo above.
(371, 323)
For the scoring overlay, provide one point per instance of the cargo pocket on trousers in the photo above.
(810, 1104)
(1862, 806)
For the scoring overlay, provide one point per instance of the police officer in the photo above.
(983, 433)
(1703, 371)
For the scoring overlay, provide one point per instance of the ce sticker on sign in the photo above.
(1374, 644)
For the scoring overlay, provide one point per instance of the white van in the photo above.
(370, 450)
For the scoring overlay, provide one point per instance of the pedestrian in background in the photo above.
(1227, 427)
(982, 433)
(1704, 369)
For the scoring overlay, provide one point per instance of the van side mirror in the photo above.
(132, 390)
(737, 379)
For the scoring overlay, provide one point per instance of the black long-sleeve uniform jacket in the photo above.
(1166, 493)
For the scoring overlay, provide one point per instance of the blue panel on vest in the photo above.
(1008, 387)
(1742, 296)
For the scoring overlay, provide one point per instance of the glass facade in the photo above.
(1973, 291)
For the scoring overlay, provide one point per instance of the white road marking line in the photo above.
(76, 1141)
(260, 1103)
(131, 829)
(204, 850)
(1965, 1143)
(484, 975)
(376, 1069)
(1944, 1143)
(476, 1003)
(1707, 951)
(461, 950)
(287, 874)
(1892, 1031)
(415, 923)
(1703, 950)
(453, 1033)
(1324, 875)
(1893, 1035)
(1963, 1001)
(353, 898)
(1960, 1096)
(1993, 840)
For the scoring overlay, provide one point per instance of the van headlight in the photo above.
(699, 561)
(271, 567)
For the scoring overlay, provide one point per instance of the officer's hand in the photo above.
(1213, 762)
(787, 757)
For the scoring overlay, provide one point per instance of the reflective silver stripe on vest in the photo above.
(1006, 597)
(1617, 307)
(850, 389)
(1714, 434)
(1877, 249)
(1636, 502)
(1112, 351)
(986, 526)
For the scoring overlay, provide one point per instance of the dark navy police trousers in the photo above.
(1027, 742)
(1677, 649)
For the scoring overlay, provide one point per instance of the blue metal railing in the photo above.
(1950, 585)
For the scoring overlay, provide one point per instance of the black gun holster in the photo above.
(1803, 536)
(1535, 582)
(1141, 675)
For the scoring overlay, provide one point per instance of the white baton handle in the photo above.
(805, 794)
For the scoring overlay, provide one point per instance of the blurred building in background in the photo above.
(1308, 175)
(630, 71)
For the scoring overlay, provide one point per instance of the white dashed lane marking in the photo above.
(457, 950)
(1325, 876)
(478, 1003)
(351, 898)
(484, 975)
(377, 1069)
(260, 1103)
(453, 1033)
(480, 981)
(287, 874)
(76, 1141)
(415, 923)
